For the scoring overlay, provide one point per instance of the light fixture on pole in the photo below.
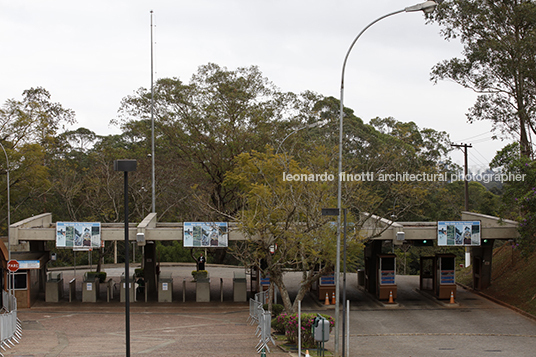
(126, 166)
(427, 7)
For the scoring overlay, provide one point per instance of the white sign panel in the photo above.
(29, 264)
(78, 235)
(458, 233)
(205, 234)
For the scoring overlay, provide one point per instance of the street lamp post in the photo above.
(426, 7)
(126, 166)
(10, 278)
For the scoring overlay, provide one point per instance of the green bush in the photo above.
(290, 324)
(278, 326)
(277, 309)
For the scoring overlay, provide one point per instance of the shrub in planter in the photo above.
(290, 323)
(201, 275)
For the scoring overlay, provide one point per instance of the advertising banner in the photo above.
(458, 233)
(78, 235)
(205, 234)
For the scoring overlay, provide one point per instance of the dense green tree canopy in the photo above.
(499, 61)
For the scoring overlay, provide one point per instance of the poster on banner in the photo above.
(205, 234)
(458, 233)
(78, 235)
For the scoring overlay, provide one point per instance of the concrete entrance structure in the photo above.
(30, 235)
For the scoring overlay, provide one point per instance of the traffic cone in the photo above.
(391, 297)
(452, 297)
(333, 299)
(307, 353)
(263, 353)
(327, 300)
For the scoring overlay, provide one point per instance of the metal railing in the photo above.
(10, 325)
(263, 319)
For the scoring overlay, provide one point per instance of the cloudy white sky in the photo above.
(89, 55)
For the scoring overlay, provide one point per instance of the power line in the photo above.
(476, 136)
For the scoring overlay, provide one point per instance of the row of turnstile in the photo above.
(91, 285)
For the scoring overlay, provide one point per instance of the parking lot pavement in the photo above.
(194, 329)
(157, 329)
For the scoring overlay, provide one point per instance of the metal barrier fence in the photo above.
(10, 325)
(263, 319)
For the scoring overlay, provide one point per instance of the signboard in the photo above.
(13, 265)
(205, 234)
(447, 277)
(458, 233)
(78, 235)
(327, 280)
(29, 264)
(387, 277)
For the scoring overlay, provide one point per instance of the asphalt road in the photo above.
(416, 326)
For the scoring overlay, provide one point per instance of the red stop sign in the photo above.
(13, 265)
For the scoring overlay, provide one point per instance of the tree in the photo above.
(282, 218)
(519, 198)
(499, 63)
(29, 130)
(202, 126)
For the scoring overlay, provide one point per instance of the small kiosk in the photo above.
(326, 285)
(30, 280)
(445, 276)
(386, 276)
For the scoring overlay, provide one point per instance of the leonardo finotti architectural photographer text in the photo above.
(405, 176)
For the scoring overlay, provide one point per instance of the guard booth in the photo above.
(30, 280)
(385, 283)
(445, 276)
(438, 275)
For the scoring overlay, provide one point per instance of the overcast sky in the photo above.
(91, 54)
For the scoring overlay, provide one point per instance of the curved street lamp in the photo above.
(8, 217)
(426, 7)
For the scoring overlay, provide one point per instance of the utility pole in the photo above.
(466, 194)
(466, 172)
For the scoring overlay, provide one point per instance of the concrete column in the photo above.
(481, 258)
(372, 249)
(150, 270)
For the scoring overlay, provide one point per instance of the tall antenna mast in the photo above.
(152, 123)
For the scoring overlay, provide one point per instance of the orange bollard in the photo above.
(327, 300)
(333, 299)
(391, 297)
(452, 297)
